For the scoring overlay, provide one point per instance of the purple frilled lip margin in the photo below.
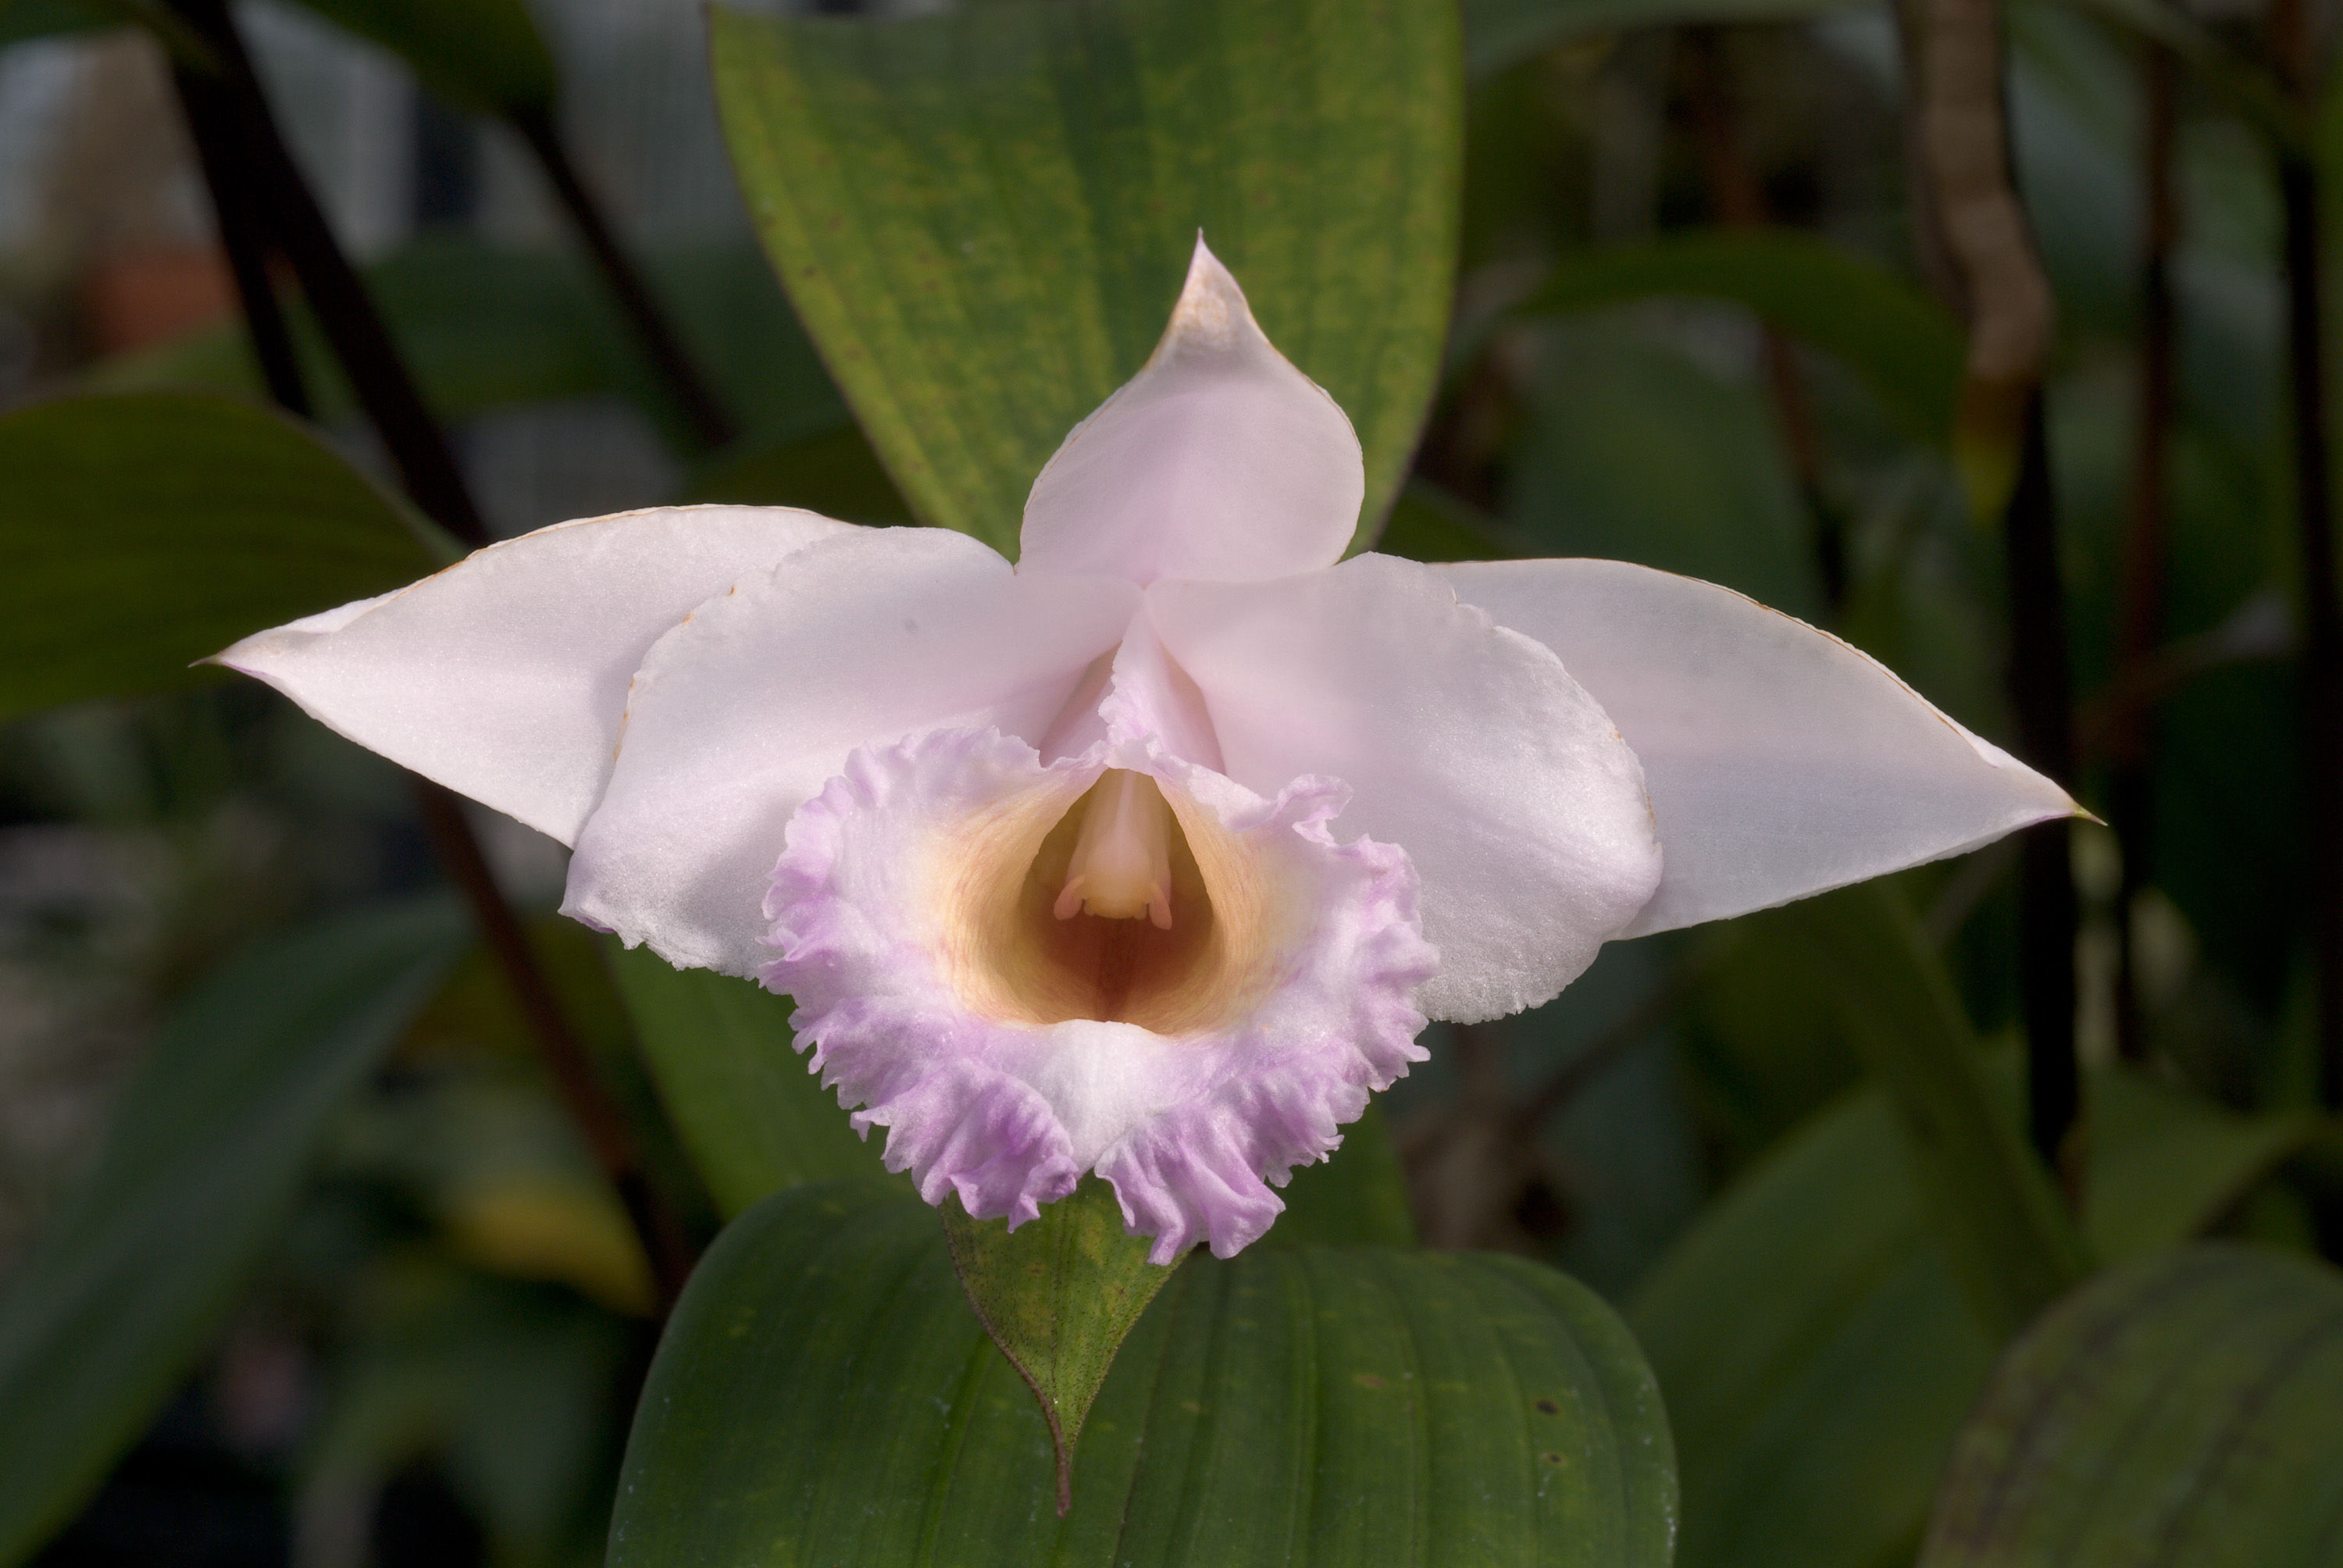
(1151, 854)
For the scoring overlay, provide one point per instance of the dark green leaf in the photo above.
(753, 1118)
(1502, 33)
(1815, 1350)
(480, 55)
(2249, 89)
(2164, 1162)
(132, 1278)
(2184, 1409)
(1635, 448)
(2010, 1241)
(1816, 1354)
(139, 533)
(1059, 1295)
(516, 1392)
(1908, 347)
(983, 217)
(823, 1395)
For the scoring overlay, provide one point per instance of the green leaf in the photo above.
(1634, 448)
(1816, 1354)
(2179, 1410)
(1816, 1348)
(2010, 1241)
(2164, 1162)
(486, 56)
(133, 1276)
(139, 533)
(520, 1394)
(1059, 1295)
(1908, 347)
(1499, 34)
(754, 1117)
(2244, 86)
(822, 1396)
(983, 216)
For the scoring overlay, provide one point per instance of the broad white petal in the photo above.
(1781, 761)
(504, 677)
(1466, 745)
(740, 715)
(1218, 460)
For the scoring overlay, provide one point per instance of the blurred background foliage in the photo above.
(1689, 326)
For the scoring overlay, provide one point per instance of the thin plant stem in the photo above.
(2040, 690)
(2322, 632)
(1967, 186)
(2131, 786)
(1738, 201)
(665, 1247)
(701, 410)
(254, 187)
(2322, 636)
(204, 99)
(241, 122)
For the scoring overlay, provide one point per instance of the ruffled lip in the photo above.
(1005, 1105)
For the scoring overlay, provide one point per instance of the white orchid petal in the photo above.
(739, 715)
(1151, 700)
(1218, 460)
(1781, 761)
(1466, 745)
(505, 676)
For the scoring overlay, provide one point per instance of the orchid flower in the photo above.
(1153, 854)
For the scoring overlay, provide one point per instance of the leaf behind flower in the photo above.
(983, 216)
(132, 1278)
(823, 1394)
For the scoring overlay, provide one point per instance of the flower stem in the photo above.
(1737, 201)
(260, 201)
(2048, 915)
(273, 192)
(204, 99)
(665, 1246)
(2131, 786)
(2295, 52)
(2322, 635)
(1967, 186)
(2295, 48)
